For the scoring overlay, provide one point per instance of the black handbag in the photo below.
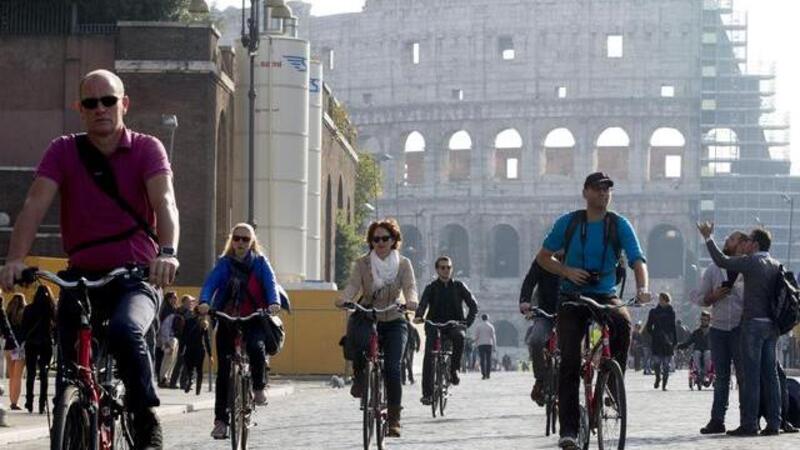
(276, 335)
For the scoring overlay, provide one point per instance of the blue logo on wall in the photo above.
(314, 85)
(298, 62)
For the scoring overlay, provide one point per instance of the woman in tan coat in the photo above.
(381, 278)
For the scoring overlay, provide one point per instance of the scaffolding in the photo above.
(745, 160)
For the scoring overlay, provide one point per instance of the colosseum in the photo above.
(487, 115)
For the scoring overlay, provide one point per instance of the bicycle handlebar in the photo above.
(353, 306)
(580, 300)
(538, 312)
(457, 323)
(30, 275)
(227, 318)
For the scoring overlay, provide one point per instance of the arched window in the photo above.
(413, 249)
(665, 252)
(454, 242)
(613, 148)
(559, 149)
(506, 333)
(414, 164)
(504, 252)
(666, 153)
(340, 194)
(458, 145)
(722, 147)
(508, 152)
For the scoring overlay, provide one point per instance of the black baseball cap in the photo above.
(598, 178)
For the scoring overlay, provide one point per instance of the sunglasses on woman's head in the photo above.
(92, 102)
(244, 239)
(377, 239)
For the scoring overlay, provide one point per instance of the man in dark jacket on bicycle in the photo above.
(589, 269)
(443, 300)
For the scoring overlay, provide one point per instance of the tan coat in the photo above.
(359, 288)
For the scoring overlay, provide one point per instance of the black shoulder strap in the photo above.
(575, 219)
(613, 233)
(101, 173)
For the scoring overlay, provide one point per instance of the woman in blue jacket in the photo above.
(241, 282)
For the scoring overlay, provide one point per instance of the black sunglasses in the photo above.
(377, 239)
(92, 102)
(244, 239)
(445, 267)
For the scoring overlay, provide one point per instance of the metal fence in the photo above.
(45, 17)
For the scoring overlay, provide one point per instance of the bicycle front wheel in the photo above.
(437, 388)
(610, 407)
(444, 379)
(72, 422)
(368, 424)
(551, 396)
(236, 407)
(378, 406)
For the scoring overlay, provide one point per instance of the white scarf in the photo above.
(384, 271)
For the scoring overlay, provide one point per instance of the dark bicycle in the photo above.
(441, 355)
(373, 399)
(604, 408)
(552, 364)
(241, 403)
(90, 410)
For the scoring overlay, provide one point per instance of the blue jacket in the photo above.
(217, 280)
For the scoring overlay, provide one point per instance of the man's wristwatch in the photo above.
(168, 251)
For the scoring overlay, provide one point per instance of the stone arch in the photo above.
(612, 152)
(414, 158)
(414, 249)
(559, 152)
(506, 334)
(454, 242)
(459, 145)
(508, 153)
(667, 147)
(665, 252)
(504, 252)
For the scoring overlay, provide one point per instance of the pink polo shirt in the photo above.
(87, 213)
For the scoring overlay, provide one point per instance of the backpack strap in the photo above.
(102, 174)
(576, 218)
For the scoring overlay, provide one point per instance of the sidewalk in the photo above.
(24, 426)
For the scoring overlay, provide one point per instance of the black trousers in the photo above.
(37, 356)
(572, 326)
(254, 336)
(485, 354)
(456, 337)
(193, 365)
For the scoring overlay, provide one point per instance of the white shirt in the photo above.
(484, 333)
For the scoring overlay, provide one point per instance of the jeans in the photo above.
(392, 336)
(456, 337)
(130, 307)
(254, 336)
(662, 365)
(725, 349)
(572, 326)
(758, 341)
(537, 337)
(485, 354)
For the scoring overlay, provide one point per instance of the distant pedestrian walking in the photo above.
(485, 340)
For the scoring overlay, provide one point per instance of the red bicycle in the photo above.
(90, 411)
(441, 355)
(603, 409)
(552, 360)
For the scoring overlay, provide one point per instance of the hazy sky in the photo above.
(774, 25)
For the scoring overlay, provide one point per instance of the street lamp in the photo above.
(170, 121)
(790, 200)
(250, 41)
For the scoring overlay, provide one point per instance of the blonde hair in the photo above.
(255, 247)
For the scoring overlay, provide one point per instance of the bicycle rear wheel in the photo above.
(72, 422)
(368, 423)
(236, 407)
(610, 407)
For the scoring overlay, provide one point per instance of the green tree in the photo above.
(348, 247)
(368, 187)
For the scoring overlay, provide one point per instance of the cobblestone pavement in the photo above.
(496, 414)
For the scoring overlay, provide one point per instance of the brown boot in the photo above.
(393, 422)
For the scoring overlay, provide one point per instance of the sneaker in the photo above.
(713, 427)
(454, 380)
(220, 430)
(568, 443)
(147, 429)
(742, 432)
(537, 394)
(770, 432)
(427, 401)
(260, 397)
(15, 407)
(786, 427)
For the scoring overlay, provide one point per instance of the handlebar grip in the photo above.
(28, 276)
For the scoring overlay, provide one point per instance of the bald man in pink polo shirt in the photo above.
(99, 236)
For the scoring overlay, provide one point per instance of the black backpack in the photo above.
(785, 308)
(578, 219)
